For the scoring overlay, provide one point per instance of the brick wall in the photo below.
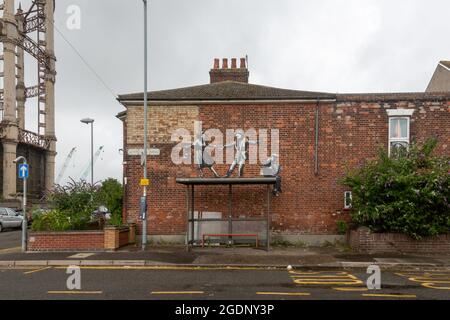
(109, 239)
(350, 132)
(66, 241)
(364, 241)
(162, 122)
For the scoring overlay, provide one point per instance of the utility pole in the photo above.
(144, 158)
(91, 122)
(23, 174)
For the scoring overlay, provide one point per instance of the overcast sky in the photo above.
(320, 45)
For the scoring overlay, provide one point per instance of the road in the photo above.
(220, 284)
(10, 239)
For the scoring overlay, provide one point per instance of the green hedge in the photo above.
(407, 193)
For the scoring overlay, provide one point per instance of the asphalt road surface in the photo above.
(10, 238)
(224, 284)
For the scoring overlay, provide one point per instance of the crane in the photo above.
(88, 167)
(65, 165)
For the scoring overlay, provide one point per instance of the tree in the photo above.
(111, 196)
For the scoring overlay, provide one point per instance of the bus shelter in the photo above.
(194, 219)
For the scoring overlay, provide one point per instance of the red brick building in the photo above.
(321, 136)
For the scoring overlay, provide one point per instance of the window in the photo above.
(398, 134)
(399, 130)
(347, 200)
(11, 212)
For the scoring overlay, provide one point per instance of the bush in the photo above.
(408, 193)
(51, 221)
(73, 204)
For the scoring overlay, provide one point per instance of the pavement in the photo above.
(172, 256)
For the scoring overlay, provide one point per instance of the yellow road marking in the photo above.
(382, 295)
(318, 272)
(166, 268)
(284, 293)
(178, 292)
(350, 289)
(354, 282)
(33, 271)
(324, 278)
(429, 280)
(431, 286)
(74, 292)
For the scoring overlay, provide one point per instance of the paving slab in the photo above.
(26, 263)
(96, 262)
(64, 262)
(129, 262)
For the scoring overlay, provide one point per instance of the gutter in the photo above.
(220, 102)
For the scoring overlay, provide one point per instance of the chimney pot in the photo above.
(216, 63)
(224, 63)
(243, 63)
(233, 63)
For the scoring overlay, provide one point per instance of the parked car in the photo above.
(9, 218)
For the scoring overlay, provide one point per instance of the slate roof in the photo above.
(227, 90)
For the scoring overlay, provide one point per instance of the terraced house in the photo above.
(321, 135)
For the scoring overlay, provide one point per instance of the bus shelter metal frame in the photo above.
(190, 184)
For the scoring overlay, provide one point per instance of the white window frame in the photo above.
(400, 114)
(348, 206)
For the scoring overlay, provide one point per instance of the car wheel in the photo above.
(1, 228)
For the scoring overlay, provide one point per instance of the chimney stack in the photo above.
(218, 74)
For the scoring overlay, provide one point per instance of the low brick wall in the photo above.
(124, 237)
(66, 241)
(364, 241)
(111, 238)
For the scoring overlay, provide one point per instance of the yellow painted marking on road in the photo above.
(37, 270)
(431, 286)
(353, 282)
(74, 292)
(11, 250)
(324, 278)
(437, 281)
(318, 272)
(178, 292)
(351, 289)
(383, 295)
(283, 293)
(166, 268)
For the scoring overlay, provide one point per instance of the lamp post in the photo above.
(24, 177)
(91, 122)
(144, 158)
